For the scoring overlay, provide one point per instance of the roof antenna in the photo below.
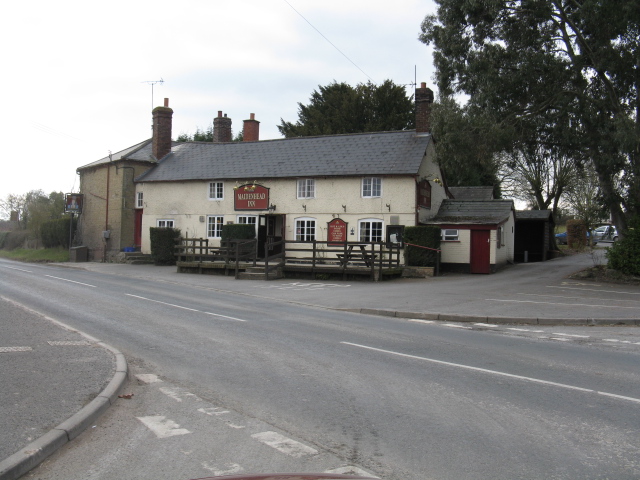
(152, 83)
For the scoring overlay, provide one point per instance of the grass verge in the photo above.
(56, 255)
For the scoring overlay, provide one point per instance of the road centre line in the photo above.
(592, 290)
(562, 296)
(19, 269)
(556, 303)
(491, 372)
(185, 308)
(71, 281)
(570, 335)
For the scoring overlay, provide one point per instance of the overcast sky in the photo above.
(75, 73)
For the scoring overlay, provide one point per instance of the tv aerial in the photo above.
(152, 83)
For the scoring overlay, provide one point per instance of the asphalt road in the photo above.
(255, 383)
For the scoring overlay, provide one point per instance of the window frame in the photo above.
(139, 199)
(218, 191)
(246, 217)
(305, 236)
(370, 238)
(167, 221)
(306, 188)
(217, 225)
(444, 236)
(371, 183)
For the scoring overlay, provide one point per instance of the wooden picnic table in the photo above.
(351, 254)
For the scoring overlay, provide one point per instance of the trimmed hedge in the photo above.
(238, 231)
(55, 233)
(426, 236)
(624, 255)
(163, 243)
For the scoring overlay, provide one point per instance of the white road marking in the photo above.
(285, 445)
(148, 378)
(594, 290)
(491, 372)
(71, 281)
(570, 335)
(454, 326)
(15, 349)
(233, 425)
(563, 296)
(185, 308)
(69, 343)
(213, 411)
(610, 340)
(556, 303)
(19, 269)
(230, 469)
(162, 426)
(519, 329)
(490, 325)
(177, 394)
(417, 320)
(560, 339)
(350, 470)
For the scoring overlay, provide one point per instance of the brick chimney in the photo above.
(221, 128)
(424, 99)
(251, 131)
(161, 140)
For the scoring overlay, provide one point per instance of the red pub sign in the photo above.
(251, 197)
(337, 231)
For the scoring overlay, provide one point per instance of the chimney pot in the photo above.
(161, 139)
(424, 99)
(251, 131)
(221, 128)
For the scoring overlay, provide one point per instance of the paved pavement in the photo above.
(36, 355)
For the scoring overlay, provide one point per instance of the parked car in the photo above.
(605, 233)
(561, 238)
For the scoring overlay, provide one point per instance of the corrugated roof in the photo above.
(380, 153)
(473, 212)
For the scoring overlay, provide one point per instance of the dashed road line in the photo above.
(162, 427)
(186, 308)
(570, 335)
(15, 349)
(284, 444)
(229, 469)
(455, 326)
(148, 378)
(418, 320)
(491, 372)
(71, 281)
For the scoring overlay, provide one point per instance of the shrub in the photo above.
(237, 231)
(576, 234)
(55, 233)
(425, 236)
(15, 239)
(624, 255)
(3, 237)
(163, 243)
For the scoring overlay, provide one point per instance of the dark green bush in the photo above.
(55, 233)
(15, 239)
(425, 236)
(576, 234)
(3, 237)
(238, 231)
(163, 243)
(624, 255)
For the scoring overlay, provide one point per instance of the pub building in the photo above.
(357, 188)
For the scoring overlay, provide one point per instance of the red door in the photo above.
(137, 229)
(480, 251)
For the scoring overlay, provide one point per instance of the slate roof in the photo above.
(472, 193)
(140, 152)
(488, 212)
(379, 153)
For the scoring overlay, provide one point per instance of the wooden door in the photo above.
(480, 251)
(137, 229)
